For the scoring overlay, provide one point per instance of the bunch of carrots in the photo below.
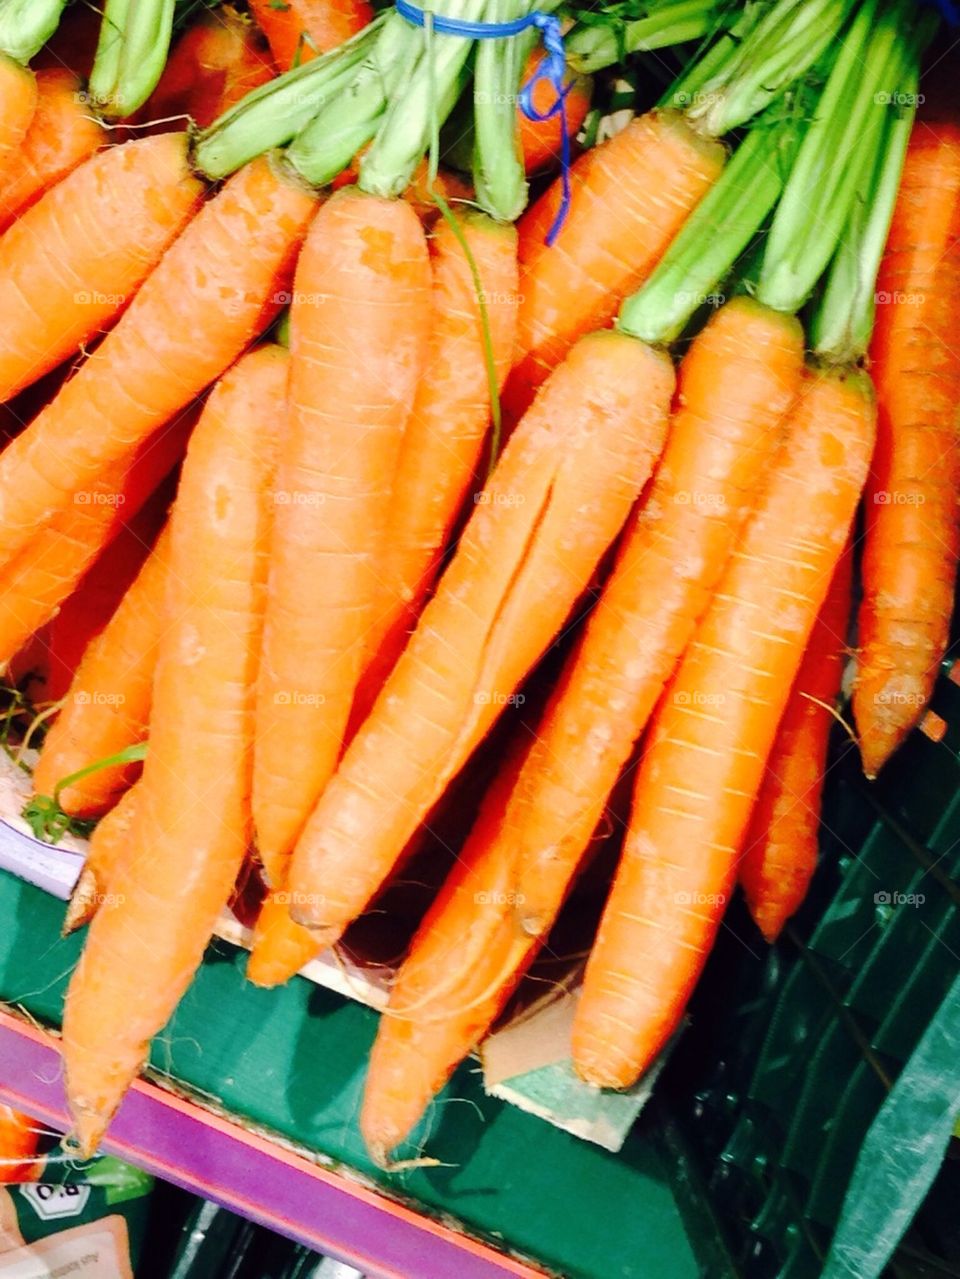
(314, 456)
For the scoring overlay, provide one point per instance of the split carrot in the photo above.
(363, 274)
(84, 613)
(736, 387)
(18, 102)
(192, 822)
(912, 536)
(630, 197)
(19, 1142)
(217, 61)
(300, 29)
(444, 440)
(111, 220)
(47, 570)
(710, 741)
(108, 844)
(780, 851)
(63, 133)
(213, 291)
(464, 963)
(559, 495)
(107, 706)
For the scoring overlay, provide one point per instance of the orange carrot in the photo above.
(40, 578)
(364, 270)
(560, 494)
(18, 102)
(108, 844)
(710, 741)
(192, 822)
(217, 61)
(300, 29)
(62, 134)
(912, 533)
(780, 851)
(280, 947)
(736, 386)
(107, 707)
(210, 295)
(19, 1142)
(630, 197)
(445, 437)
(540, 139)
(111, 220)
(464, 963)
(85, 613)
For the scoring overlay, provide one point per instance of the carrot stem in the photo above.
(842, 324)
(499, 175)
(780, 49)
(276, 112)
(601, 39)
(801, 243)
(132, 52)
(45, 815)
(27, 25)
(719, 229)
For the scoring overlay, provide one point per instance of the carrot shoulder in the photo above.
(359, 327)
(630, 197)
(208, 297)
(63, 133)
(736, 386)
(912, 540)
(558, 497)
(192, 822)
(18, 104)
(444, 440)
(780, 850)
(300, 29)
(107, 707)
(710, 741)
(110, 220)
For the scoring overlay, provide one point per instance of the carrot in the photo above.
(736, 386)
(780, 851)
(192, 822)
(18, 102)
(19, 1142)
(540, 139)
(85, 613)
(48, 569)
(107, 707)
(448, 426)
(108, 843)
(300, 29)
(219, 59)
(630, 197)
(62, 134)
(912, 536)
(280, 947)
(560, 494)
(110, 220)
(210, 295)
(710, 741)
(464, 963)
(363, 272)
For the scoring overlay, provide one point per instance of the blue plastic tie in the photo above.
(552, 69)
(948, 10)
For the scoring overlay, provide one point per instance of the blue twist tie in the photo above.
(948, 10)
(552, 69)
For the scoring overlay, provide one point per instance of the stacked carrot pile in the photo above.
(276, 563)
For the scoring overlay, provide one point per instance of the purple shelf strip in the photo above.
(214, 1158)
